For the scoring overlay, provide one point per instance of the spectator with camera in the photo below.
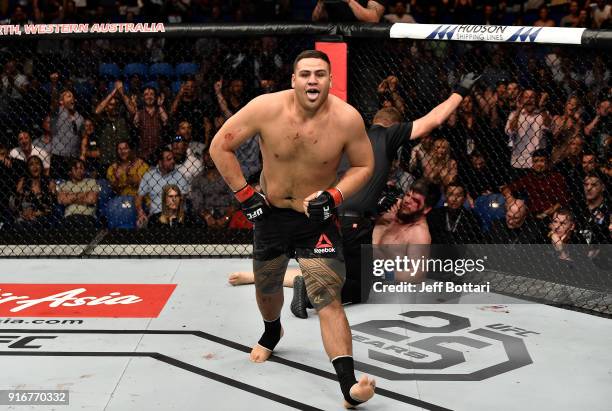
(191, 106)
(185, 131)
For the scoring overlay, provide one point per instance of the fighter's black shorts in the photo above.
(285, 231)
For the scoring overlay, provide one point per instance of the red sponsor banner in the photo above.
(337, 53)
(84, 300)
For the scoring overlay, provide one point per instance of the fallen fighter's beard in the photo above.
(409, 218)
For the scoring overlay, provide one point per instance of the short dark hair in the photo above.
(76, 161)
(123, 141)
(159, 155)
(596, 174)
(312, 54)
(588, 152)
(566, 212)
(429, 190)
(541, 152)
(145, 88)
(455, 183)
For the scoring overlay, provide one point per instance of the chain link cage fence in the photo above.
(104, 138)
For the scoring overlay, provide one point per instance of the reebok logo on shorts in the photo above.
(324, 245)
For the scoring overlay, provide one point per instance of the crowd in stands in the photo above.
(114, 133)
(560, 13)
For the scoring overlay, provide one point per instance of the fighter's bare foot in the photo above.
(362, 391)
(240, 277)
(261, 354)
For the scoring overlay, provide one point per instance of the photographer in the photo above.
(347, 11)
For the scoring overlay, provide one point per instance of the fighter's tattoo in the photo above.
(324, 278)
(269, 274)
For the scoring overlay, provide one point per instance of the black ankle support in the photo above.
(345, 370)
(271, 335)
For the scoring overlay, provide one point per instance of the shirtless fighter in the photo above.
(304, 132)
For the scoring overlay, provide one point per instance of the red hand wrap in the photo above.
(244, 193)
(336, 195)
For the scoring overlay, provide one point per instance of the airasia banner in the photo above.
(84, 300)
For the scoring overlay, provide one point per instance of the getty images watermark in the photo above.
(407, 274)
(423, 274)
(486, 273)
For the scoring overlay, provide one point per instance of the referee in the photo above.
(357, 215)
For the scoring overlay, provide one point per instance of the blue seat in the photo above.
(176, 86)
(106, 193)
(120, 212)
(135, 68)
(186, 69)
(152, 84)
(490, 208)
(161, 70)
(109, 71)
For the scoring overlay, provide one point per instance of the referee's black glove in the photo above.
(465, 84)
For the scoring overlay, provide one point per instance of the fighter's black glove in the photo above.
(324, 205)
(388, 198)
(253, 204)
(465, 84)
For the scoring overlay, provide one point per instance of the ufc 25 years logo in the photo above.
(436, 352)
(20, 341)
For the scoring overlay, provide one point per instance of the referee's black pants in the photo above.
(356, 231)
